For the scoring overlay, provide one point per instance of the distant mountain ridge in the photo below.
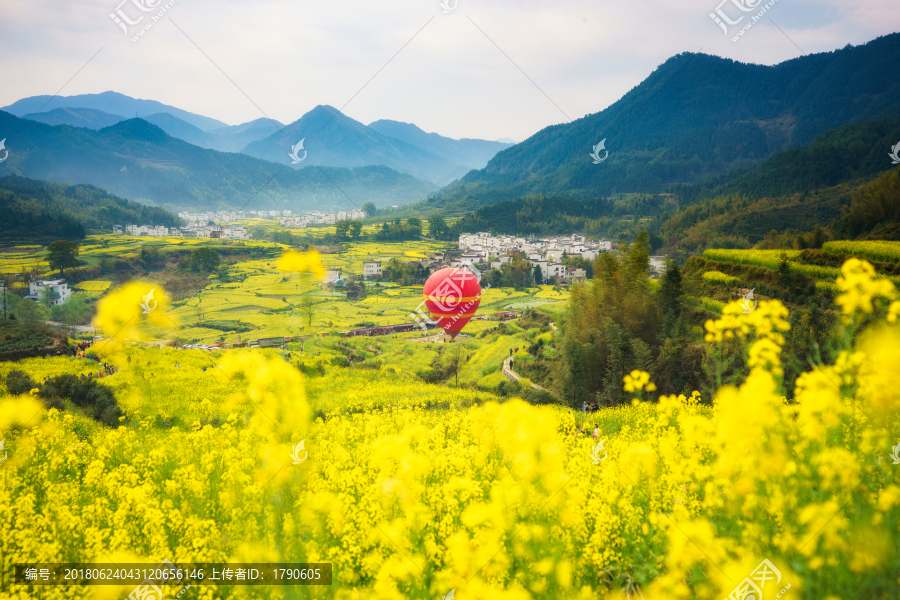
(224, 139)
(113, 103)
(345, 142)
(694, 116)
(235, 137)
(466, 153)
(76, 117)
(332, 138)
(137, 160)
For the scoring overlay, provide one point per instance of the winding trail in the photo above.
(513, 376)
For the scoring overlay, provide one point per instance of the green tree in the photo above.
(31, 313)
(438, 227)
(576, 382)
(62, 255)
(151, 257)
(45, 297)
(670, 297)
(538, 275)
(370, 209)
(308, 309)
(205, 259)
(784, 272)
(355, 229)
(454, 360)
(72, 312)
(414, 222)
(342, 229)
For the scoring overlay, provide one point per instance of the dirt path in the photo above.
(513, 376)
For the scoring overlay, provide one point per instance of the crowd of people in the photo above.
(106, 370)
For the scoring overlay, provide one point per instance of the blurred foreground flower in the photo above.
(638, 380)
(120, 313)
(302, 262)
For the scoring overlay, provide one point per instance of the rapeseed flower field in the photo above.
(413, 490)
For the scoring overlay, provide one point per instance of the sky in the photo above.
(488, 70)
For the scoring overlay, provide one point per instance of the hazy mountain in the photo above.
(334, 139)
(112, 103)
(235, 137)
(468, 153)
(506, 141)
(76, 117)
(137, 160)
(694, 116)
(343, 142)
(183, 130)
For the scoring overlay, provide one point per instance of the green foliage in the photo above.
(228, 326)
(204, 259)
(437, 227)
(348, 230)
(71, 312)
(17, 382)
(875, 210)
(848, 153)
(515, 274)
(62, 255)
(670, 297)
(370, 209)
(408, 273)
(30, 313)
(308, 308)
(151, 257)
(37, 210)
(88, 394)
(611, 325)
(396, 232)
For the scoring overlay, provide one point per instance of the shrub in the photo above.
(17, 382)
(97, 400)
(340, 361)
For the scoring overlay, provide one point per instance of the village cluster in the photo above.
(321, 218)
(193, 230)
(547, 253)
(199, 223)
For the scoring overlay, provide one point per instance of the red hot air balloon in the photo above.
(452, 296)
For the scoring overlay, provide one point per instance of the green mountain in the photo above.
(112, 103)
(824, 184)
(76, 117)
(42, 210)
(138, 160)
(694, 116)
(848, 153)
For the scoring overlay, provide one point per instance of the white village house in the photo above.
(59, 290)
(372, 269)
